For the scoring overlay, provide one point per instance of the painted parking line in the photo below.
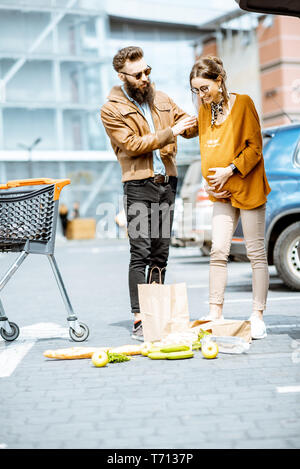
(12, 356)
(277, 298)
(288, 389)
(96, 250)
(283, 326)
(12, 353)
(249, 300)
(199, 285)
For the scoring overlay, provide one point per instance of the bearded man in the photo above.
(143, 125)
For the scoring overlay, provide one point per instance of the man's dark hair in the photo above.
(131, 53)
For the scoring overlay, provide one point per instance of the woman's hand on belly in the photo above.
(217, 195)
(220, 177)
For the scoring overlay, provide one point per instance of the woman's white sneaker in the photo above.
(258, 327)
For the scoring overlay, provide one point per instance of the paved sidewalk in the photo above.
(234, 401)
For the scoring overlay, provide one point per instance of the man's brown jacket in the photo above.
(131, 138)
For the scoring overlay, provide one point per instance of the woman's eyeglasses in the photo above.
(139, 75)
(203, 89)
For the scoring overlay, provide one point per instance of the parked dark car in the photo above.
(282, 163)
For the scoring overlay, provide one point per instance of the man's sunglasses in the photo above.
(139, 75)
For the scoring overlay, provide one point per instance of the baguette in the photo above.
(73, 353)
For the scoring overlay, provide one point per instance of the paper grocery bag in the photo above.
(226, 327)
(155, 301)
(163, 308)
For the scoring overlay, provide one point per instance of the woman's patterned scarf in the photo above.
(216, 108)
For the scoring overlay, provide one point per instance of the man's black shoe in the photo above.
(137, 331)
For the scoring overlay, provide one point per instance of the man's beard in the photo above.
(142, 96)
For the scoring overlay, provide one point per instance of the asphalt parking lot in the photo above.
(235, 401)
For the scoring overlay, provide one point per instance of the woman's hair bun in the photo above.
(215, 59)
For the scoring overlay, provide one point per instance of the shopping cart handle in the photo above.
(59, 184)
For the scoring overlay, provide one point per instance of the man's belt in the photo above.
(161, 179)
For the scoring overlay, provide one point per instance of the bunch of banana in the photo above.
(170, 352)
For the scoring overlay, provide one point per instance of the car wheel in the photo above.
(286, 256)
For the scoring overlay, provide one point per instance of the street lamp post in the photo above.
(30, 148)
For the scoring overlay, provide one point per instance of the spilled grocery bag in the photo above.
(164, 308)
(226, 327)
(232, 336)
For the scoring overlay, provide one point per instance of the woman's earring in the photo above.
(220, 89)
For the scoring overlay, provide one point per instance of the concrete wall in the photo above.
(279, 46)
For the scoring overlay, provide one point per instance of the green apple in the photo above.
(100, 358)
(209, 349)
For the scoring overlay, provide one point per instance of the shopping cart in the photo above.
(28, 219)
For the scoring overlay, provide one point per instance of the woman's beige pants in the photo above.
(224, 222)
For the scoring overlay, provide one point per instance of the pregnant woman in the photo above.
(233, 167)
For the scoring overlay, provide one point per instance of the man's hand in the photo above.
(217, 195)
(183, 125)
(220, 177)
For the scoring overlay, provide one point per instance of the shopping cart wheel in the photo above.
(79, 337)
(15, 331)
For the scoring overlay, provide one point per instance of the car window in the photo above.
(193, 174)
(297, 155)
(266, 139)
(280, 151)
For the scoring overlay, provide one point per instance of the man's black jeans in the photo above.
(149, 209)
